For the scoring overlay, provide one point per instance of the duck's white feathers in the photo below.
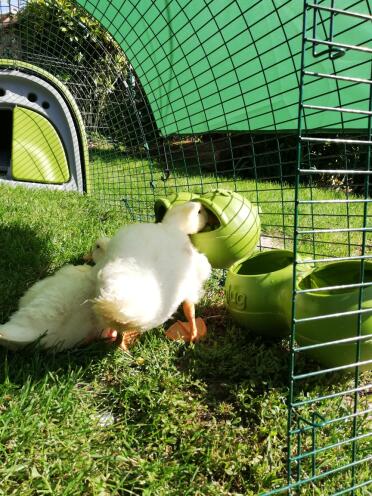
(189, 217)
(57, 309)
(150, 269)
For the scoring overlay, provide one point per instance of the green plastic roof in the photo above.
(233, 64)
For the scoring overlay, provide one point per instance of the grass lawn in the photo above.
(169, 419)
(133, 183)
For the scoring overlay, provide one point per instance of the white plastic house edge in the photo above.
(18, 86)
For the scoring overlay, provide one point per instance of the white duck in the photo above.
(149, 270)
(57, 309)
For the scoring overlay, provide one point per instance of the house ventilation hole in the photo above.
(32, 97)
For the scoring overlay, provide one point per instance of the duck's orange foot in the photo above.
(180, 331)
(128, 339)
(109, 334)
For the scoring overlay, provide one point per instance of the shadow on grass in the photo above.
(232, 357)
(24, 259)
(33, 363)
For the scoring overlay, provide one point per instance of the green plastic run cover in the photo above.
(37, 151)
(235, 64)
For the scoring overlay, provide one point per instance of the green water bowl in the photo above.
(336, 302)
(258, 292)
(233, 229)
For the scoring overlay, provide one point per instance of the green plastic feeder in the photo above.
(335, 302)
(258, 292)
(234, 228)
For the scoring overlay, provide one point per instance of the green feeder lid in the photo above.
(234, 228)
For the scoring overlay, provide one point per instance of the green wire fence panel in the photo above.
(269, 98)
(332, 305)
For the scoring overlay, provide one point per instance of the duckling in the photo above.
(58, 309)
(149, 270)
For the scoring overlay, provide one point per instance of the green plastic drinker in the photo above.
(336, 302)
(258, 291)
(233, 228)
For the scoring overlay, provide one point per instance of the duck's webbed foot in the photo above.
(128, 338)
(191, 331)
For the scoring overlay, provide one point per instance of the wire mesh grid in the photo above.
(192, 96)
(331, 312)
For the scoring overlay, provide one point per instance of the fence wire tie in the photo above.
(312, 423)
(166, 174)
(127, 205)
